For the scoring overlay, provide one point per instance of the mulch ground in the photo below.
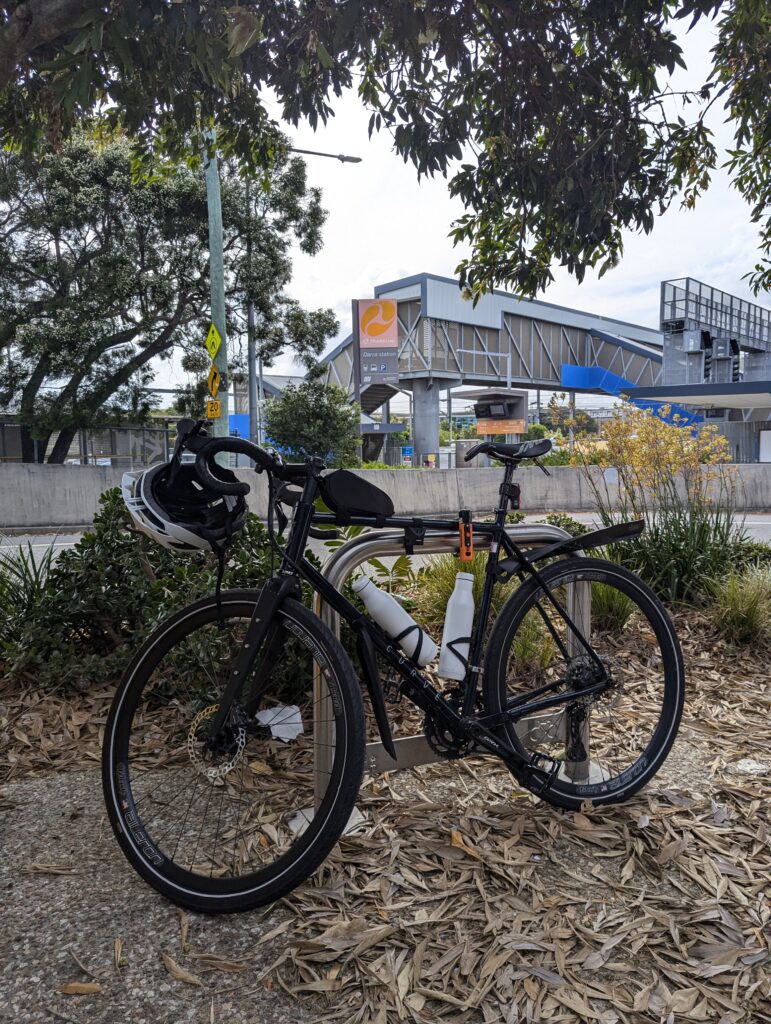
(459, 899)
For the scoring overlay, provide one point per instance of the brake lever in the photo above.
(541, 466)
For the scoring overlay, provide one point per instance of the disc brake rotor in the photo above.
(208, 770)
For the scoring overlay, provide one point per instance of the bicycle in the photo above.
(234, 747)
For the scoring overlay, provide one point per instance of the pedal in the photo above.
(543, 763)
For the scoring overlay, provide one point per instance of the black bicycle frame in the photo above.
(413, 684)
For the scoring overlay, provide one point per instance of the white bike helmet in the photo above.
(171, 504)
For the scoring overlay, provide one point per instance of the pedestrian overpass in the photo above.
(445, 341)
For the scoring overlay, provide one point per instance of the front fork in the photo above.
(264, 616)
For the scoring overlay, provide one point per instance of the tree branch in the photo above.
(33, 24)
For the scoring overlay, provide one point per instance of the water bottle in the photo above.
(396, 622)
(457, 628)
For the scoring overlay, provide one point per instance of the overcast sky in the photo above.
(383, 225)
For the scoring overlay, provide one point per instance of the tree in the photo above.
(536, 432)
(559, 416)
(553, 118)
(102, 274)
(313, 418)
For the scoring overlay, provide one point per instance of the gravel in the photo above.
(58, 823)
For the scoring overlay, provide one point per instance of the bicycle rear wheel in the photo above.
(611, 744)
(241, 825)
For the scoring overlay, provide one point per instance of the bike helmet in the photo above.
(171, 504)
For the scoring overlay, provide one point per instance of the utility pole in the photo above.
(254, 430)
(221, 425)
(256, 390)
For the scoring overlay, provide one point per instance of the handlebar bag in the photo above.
(347, 494)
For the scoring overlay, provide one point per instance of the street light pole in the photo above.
(256, 388)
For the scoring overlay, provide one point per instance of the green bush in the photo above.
(746, 553)
(740, 605)
(673, 477)
(566, 523)
(533, 647)
(102, 597)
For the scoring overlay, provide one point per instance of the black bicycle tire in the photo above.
(335, 811)
(571, 795)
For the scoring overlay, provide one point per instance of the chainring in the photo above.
(443, 743)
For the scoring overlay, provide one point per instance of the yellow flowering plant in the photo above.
(677, 477)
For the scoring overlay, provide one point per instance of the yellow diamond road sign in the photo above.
(214, 381)
(213, 410)
(213, 341)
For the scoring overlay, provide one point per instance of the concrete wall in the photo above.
(39, 496)
(35, 497)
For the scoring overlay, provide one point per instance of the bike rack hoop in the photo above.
(339, 567)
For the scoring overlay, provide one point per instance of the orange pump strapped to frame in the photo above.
(466, 530)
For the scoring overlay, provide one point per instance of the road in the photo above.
(758, 526)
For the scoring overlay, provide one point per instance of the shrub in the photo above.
(566, 523)
(740, 605)
(746, 553)
(671, 476)
(102, 597)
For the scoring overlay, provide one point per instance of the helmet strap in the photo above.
(220, 549)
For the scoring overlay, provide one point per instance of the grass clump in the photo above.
(533, 647)
(611, 608)
(740, 605)
(23, 576)
(437, 582)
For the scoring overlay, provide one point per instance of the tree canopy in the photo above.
(552, 118)
(313, 418)
(558, 415)
(102, 274)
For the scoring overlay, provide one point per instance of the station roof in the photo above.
(747, 394)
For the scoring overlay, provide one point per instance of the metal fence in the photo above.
(124, 446)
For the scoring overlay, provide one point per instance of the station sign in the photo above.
(497, 426)
(377, 350)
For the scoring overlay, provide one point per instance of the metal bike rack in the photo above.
(415, 750)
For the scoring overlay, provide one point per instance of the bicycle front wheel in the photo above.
(242, 824)
(609, 745)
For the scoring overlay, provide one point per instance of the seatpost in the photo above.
(505, 494)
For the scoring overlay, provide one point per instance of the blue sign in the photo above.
(408, 450)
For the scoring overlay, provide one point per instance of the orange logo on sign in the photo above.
(377, 322)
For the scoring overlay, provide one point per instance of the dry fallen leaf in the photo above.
(184, 926)
(80, 988)
(179, 973)
(51, 869)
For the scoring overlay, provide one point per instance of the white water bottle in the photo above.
(457, 628)
(396, 622)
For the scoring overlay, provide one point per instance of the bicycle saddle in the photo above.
(510, 452)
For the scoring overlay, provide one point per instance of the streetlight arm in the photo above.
(334, 156)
